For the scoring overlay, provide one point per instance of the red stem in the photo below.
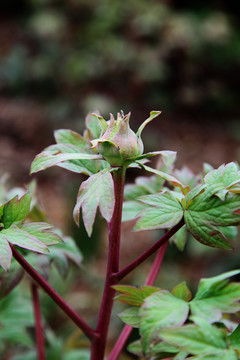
(117, 276)
(38, 322)
(99, 344)
(72, 314)
(150, 281)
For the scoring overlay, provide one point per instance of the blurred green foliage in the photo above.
(135, 52)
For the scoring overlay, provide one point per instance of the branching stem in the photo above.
(72, 314)
(117, 276)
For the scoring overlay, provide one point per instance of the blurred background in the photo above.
(60, 59)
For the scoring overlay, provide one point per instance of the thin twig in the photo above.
(72, 314)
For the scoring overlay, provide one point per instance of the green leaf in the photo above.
(66, 136)
(161, 310)
(5, 252)
(136, 348)
(93, 126)
(209, 285)
(97, 191)
(144, 185)
(174, 181)
(16, 210)
(206, 215)
(164, 211)
(201, 339)
(42, 232)
(182, 292)
(132, 295)
(21, 238)
(16, 316)
(45, 160)
(214, 297)
(227, 175)
(131, 210)
(234, 337)
(131, 316)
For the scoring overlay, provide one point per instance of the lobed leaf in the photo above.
(19, 237)
(66, 136)
(202, 339)
(182, 292)
(97, 191)
(42, 232)
(132, 295)
(164, 211)
(161, 310)
(131, 210)
(214, 297)
(45, 160)
(131, 316)
(206, 217)
(16, 210)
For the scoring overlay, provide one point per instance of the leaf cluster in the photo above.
(210, 203)
(175, 324)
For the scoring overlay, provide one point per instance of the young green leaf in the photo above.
(131, 210)
(43, 232)
(45, 160)
(214, 297)
(164, 211)
(66, 136)
(131, 316)
(201, 339)
(16, 210)
(19, 237)
(227, 175)
(132, 295)
(161, 310)
(97, 191)
(234, 338)
(182, 292)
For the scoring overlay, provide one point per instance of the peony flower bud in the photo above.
(118, 143)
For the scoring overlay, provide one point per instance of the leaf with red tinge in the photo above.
(19, 237)
(132, 295)
(97, 191)
(5, 252)
(210, 219)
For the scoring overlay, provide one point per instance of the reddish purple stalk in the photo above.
(116, 351)
(72, 314)
(135, 263)
(38, 322)
(99, 343)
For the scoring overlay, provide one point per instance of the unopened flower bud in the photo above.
(118, 142)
